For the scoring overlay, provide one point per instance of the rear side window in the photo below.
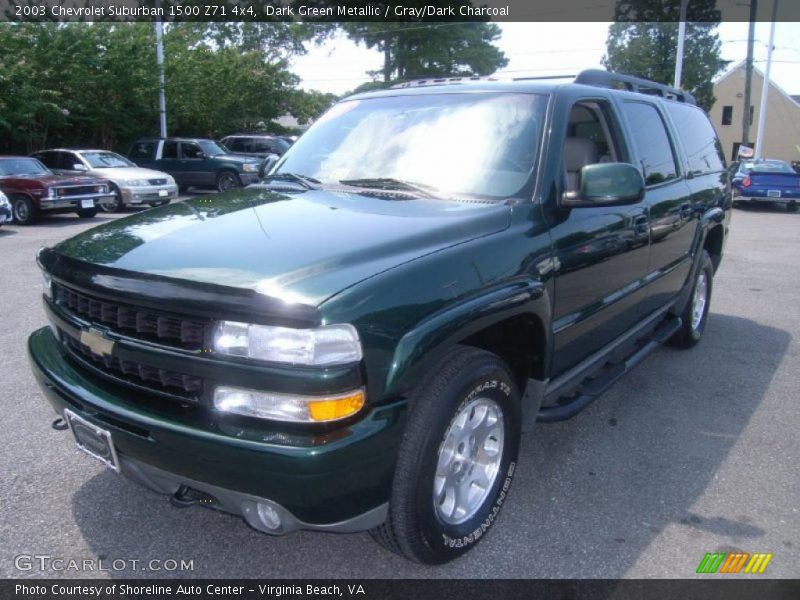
(703, 150)
(170, 150)
(652, 142)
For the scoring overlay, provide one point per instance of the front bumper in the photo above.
(150, 193)
(338, 480)
(248, 178)
(71, 201)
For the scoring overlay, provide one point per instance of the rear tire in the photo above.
(87, 213)
(457, 458)
(24, 210)
(695, 314)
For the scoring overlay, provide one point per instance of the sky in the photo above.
(339, 65)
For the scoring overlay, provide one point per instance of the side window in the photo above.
(703, 150)
(190, 150)
(237, 145)
(67, 161)
(48, 159)
(170, 150)
(652, 142)
(142, 151)
(261, 146)
(591, 134)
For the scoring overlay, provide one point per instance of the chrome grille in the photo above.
(133, 321)
(157, 181)
(188, 387)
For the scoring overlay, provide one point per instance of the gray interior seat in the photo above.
(578, 152)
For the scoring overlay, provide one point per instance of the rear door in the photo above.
(673, 219)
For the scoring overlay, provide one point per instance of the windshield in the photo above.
(212, 148)
(479, 143)
(106, 160)
(22, 166)
(772, 166)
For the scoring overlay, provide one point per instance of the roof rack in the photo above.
(439, 81)
(543, 77)
(600, 78)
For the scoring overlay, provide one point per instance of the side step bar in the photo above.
(595, 385)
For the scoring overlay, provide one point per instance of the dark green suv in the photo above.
(196, 162)
(358, 342)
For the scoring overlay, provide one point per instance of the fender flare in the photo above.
(711, 218)
(429, 340)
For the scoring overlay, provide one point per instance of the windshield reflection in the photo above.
(480, 144)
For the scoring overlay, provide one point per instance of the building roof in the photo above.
(775, 86)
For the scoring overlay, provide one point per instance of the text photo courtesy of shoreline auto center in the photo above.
(352, 298)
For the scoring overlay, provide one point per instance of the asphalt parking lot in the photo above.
(695, 451)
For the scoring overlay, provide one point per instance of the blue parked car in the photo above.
(766, 180)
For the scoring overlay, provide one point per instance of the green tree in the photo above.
(432, 49)
(643, 42)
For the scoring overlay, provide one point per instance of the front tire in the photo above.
(86, 213)
(457, 458)
(227, 180)
(695, 314)
(24, 210)
(112, 204)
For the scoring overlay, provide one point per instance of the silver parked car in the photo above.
(133, 186)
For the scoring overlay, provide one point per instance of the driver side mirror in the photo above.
(606, 184)
(79, 167)
(268, 163)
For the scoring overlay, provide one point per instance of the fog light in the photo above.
(269, 516)
(288, 407)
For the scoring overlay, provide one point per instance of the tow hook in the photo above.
(59, 424)
(185, 497)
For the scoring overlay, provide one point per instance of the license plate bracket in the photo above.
(87, 203)
(163, 193)
(93, 440)
(774, 193)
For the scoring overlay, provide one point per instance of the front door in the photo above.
(601, 253)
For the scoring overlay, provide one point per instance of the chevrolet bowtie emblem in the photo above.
(97, 343)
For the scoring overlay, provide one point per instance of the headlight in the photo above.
(329, 345)
(250, 168)
(288, 407)
(51, 192)
(101, 189)
(137, 182)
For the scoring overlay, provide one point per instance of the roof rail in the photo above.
(543, 77)
(439, 81)
(600, 78)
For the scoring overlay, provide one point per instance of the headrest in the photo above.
(579, 152)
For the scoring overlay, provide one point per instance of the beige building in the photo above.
(782, 135)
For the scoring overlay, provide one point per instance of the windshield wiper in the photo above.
(303, 180)
(392, 184)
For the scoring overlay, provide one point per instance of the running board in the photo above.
(595, 385)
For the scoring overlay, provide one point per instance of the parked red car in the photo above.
(32, 189)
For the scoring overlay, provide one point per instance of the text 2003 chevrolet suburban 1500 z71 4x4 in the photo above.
(358, 341)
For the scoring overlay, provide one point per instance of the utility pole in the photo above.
(681, 38)
(762, 110)
(162, 101)
(748, 78)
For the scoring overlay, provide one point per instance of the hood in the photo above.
(299, 247)
(128, 173)
(52, 179)
(239, 158)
